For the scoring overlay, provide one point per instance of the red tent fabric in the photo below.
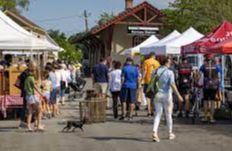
(224, 47)
(220, 34)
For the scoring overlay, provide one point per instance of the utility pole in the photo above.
(86, 16)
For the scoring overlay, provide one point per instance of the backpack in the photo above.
(153, 85)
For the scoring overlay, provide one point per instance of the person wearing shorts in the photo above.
(130, 77)
(33, 102)
(100, 78)
(211, 86)
(54, 91)
(185, 85)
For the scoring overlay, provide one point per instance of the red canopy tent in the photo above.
(224, 47)
(218, 35)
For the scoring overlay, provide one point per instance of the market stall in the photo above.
(173, 47)
(15, 38)
(151, 47)
(136, 49)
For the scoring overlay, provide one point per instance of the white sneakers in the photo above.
(172, 136)
(155, 137)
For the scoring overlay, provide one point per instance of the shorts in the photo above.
(128, 95)
(184, 91)
(32, 99)
(62, 92)
(209, 94)
(47, 95)
(53, 96)
(101, 88)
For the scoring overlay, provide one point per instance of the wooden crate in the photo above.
(94, 111)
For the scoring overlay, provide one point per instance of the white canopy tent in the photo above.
(136, 49)
(174, 46)
(14, 37)
(151, 48)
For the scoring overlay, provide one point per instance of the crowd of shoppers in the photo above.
(43, 99)
(125, 85)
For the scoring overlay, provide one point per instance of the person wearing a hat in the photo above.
(130, 75)
(211, 74)
(185, 85)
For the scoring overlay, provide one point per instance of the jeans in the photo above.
(23, 110)
(115, 97)
(163, 101)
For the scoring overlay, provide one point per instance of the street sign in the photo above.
(141, 30)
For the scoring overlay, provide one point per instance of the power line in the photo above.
(58, 18)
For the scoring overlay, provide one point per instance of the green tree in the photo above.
(204, 15)
(14, 5)
(70, 53)
(105, 17)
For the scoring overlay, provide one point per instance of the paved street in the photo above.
(115, 135)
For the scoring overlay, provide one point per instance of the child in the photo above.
(47, 88)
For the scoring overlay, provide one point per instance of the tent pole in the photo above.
(223, 78)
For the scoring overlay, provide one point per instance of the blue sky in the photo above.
(65, 15)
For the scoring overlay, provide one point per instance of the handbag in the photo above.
(153, 85)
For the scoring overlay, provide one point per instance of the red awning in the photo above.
(224, 47)
(220, 34)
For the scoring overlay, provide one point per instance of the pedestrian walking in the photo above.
(100, 78)
(33, 102)
(185, 86)
(115, 85)
(211, 86)
(130, 77)
(163, 98)
(149, 66)
(54, 91)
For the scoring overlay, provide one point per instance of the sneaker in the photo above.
(187, 114)
(179, 115)
(172, 136)
(121, 118)
(22, 125)
(130, 118)
(155, 138)
(212, 121)
(205, 119)
(148, 115)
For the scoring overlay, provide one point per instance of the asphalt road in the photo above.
(115, 135)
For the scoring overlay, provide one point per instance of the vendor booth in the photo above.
(136, 49)
(173, 47)
(151, 48)
(15, 39)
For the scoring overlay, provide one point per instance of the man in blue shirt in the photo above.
(212, 75)
(130, 77)
(100, 78)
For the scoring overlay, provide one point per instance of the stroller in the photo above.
(77, 87)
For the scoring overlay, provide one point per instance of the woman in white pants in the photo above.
(163, 98)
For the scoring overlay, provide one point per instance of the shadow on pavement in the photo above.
(107, 138)
(8, 129)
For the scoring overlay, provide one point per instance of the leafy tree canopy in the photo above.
(70, 53)
(204, 15)
(14, 5)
